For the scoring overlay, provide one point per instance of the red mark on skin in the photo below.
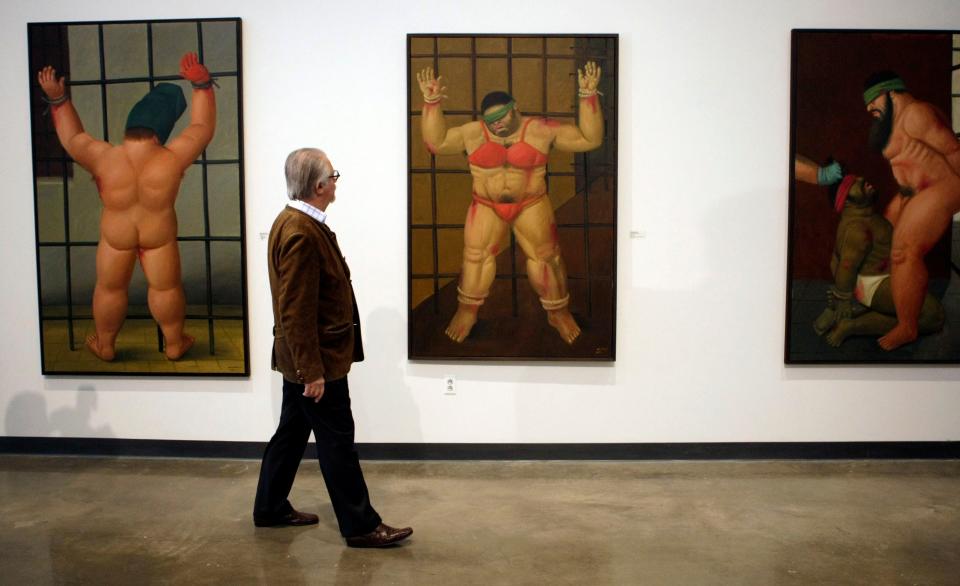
(140, 252)
(473, 308)
(472, 213)
(55, 114)
(592, 100)
(545, 277)
(550, 122)
(494, 250)
(923, 185)
(554, 233)
(846, 264)
(430, 148)
(429, 106)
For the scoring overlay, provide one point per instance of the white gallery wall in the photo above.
(703, 144)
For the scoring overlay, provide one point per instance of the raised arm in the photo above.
(82, 148)
(436, 137)
(923, 122)
(588, 133)
(203, 112)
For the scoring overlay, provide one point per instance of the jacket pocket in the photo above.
(335, 331)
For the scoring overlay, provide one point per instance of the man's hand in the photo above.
(829, 174)
(314, 389)
(193, 71)
(50, 84)
(588, 78)
(430, 86)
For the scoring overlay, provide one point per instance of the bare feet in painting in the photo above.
(462, 322)
(562, 320)
(101, 351)
(839, 333)
(898, 336)
(176, 351)
(826, 321)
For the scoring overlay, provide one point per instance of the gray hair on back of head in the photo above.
(305, 169)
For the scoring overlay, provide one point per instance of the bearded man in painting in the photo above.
(924, 155)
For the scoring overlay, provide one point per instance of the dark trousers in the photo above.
(331, 421)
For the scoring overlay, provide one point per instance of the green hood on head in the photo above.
(159, 110)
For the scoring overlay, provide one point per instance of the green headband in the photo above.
(498, 114)
(890, 85)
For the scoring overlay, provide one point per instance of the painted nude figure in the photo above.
(861, 269)
(138, 182)
(924, 155)
(508, 154)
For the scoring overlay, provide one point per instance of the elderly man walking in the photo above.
(316, 339)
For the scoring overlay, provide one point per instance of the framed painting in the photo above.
(874, 255)
(138, 191)
(512, 193)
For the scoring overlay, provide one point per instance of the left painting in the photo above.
(138, 194)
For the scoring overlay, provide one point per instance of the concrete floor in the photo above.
(106, 521)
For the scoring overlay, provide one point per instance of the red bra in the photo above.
(521, 155)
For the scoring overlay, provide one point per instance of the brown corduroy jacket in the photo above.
(316, 322)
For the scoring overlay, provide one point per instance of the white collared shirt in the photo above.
(315, 213)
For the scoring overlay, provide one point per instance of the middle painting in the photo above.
(512, 193)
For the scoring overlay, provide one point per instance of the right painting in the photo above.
(874, 229)
(512, 183)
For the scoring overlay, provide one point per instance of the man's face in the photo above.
(881, 108)
(328, 188)
(505, 126)
(876, 108)
(862, 194)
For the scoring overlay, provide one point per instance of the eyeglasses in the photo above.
(334, 176)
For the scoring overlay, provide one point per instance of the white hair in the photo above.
(305, 169)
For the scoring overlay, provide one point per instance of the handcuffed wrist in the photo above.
(588, 93)
(841, 295)
(55, 101)
(205, 85)
(432, 100)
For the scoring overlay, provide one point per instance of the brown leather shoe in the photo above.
(382, 536)
(293, 518)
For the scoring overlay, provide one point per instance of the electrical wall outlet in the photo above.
(449, 385)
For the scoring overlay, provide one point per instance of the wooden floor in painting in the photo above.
(138, 349)
(526, 335)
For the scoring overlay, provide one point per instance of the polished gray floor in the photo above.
(122, 521)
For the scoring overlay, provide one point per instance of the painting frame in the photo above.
(500, 332)
(832, 72)
(212, 247)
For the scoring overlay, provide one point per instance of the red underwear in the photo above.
(508, 212)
